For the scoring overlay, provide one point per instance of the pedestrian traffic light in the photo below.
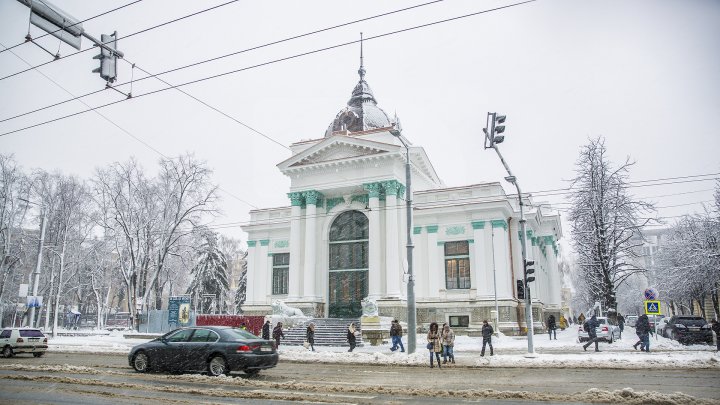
(492, 133)
(520, 290)
(108, 57)
(529, 270)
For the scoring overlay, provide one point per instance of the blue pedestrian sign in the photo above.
(652, 307)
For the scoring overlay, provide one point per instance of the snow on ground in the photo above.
(509, 352)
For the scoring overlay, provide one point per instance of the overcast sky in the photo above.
(643, 74)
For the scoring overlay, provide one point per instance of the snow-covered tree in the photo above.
(605, 223)
(210, 273)
(241, 293)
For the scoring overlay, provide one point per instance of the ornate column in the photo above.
(483, 274)
(262, 266)
(536, 287)
(434, 264)
(296, 245)
(553, 276)
(251, 273)
(392, 256)
(374, 246)
(505, 282)
(309, 270)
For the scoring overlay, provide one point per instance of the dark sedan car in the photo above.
(216, 350)
(689, 329)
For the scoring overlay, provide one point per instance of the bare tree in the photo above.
(605, 223)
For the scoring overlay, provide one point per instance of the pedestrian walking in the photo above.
(716, 328)
(266, 330)
(310, 336)
(351, 336)
(448, 342)
(590, 327)
(581, 319)
(396, 336)
(642, 329)
(434, 345)
(552, 326)
(621, 324)
(487, 332)
(277, 334)
(563, 322)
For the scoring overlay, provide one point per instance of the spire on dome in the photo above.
(361, 71)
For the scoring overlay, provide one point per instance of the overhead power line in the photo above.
(269, 63)
(124, 37)
(70, 26)
(176, 69)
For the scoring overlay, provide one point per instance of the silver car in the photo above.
(605, 331)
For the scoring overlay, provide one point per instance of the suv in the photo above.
(688, 329)
(22, 340)
(630, 320)
(606, 331)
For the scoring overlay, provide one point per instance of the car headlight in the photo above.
(679, 325)
(706, 326)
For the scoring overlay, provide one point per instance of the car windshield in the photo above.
(238, 334)
(602, 321)
(31, 333)
(691, 321)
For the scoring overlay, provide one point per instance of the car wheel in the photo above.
(252, 372)
(38, 354)
(611, 339)
(672, 335)
(217, 366)
(7, 352)
(141, 362)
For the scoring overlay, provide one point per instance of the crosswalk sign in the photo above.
(652, 307)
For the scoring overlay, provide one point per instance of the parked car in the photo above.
(660, 326)
(605, 331)
(22, 340)
(216, 350)
(689, 329)
(630, 320)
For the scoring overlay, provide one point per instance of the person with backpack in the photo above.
(552, 326)
(589, 326)
(396, 335)
(487, 332)
(642, 329)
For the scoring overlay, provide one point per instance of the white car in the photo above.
(630, 320)
(22, 340)
(605, 331)
(660, 326)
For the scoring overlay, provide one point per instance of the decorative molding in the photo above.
(363, 199)
(441, 243)
(312, 197)
(281, 244)
(529, 233)
(296, 199)
(549, 239)
(330, 203)
(264, 242)
(270, 254)
(373, 189)
(391, 187)
(252, 243)
(417, 230)
(471, 240)
(455, 230)
(401, 191)
(499, 223)
(478, 224)
(432, 228)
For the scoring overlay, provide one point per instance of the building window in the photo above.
(457, 265)
(281, 264)
(459, 321)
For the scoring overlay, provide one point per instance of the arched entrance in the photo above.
(348, 269)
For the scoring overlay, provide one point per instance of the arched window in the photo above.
(348, 270)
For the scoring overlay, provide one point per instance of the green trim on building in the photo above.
(296, 199)
(432, 228)
(455, 230)
(264, 242)
(478, 224)
(312, 197)
(499, 223)
(373, 189)
(534, 241)
(549, 239)
(270, 254)
(252, 243)
(330, 203)
(441, 243)
(281, 244)
(363, 199)
(417, 230)
(529, 233)
(471, 240)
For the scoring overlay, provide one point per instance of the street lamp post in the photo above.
(412, 316)
(38, 264)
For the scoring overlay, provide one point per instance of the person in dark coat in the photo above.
(310, 336)
(642, 329)
(592, 324)
(715, 325)
(266, 330)
(621, 324)
(552, 326)
(487, 332)
(396, 335)
(352, 340)
(277, 334)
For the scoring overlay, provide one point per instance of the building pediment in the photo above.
(337, 149)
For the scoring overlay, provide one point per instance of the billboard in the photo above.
(179, 311)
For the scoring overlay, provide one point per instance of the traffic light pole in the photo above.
(523, 235)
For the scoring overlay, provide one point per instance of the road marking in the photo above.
(275, 392)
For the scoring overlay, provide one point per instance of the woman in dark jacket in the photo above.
(310, 335)
(552, 326)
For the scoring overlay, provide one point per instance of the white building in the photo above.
(343, 237)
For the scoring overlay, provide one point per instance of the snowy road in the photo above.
(91, 378)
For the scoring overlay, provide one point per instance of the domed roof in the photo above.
(362, 112)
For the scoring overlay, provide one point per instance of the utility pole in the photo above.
(412, 315)
(492, 138)
(38, 264)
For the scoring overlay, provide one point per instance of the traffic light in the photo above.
(495, 129)
(108, 57)
(520, 289)
(529, 270)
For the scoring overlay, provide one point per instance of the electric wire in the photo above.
(72, 25)
(202, 79)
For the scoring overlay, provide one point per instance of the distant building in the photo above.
(343, 237)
